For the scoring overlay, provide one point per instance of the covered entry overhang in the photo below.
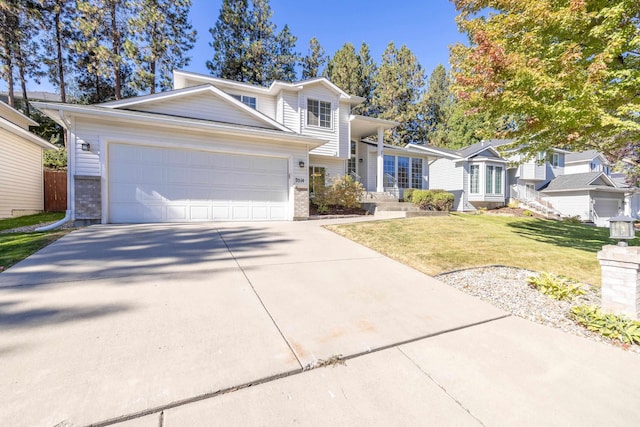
(363, 127)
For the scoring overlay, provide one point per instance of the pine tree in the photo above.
(345, 70)
(230, 41)
(246, 46)
(57, 41)
(399, 87)
(102, 26)
(162, 36)
(437, 105)
(367, 81)
(313, 62)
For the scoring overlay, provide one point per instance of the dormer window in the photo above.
(318, 113)
(249, 101)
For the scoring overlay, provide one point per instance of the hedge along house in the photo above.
(212, 149)
(21, 174)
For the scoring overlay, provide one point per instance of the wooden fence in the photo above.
(55, 191)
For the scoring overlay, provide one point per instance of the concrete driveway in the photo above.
(224, 324)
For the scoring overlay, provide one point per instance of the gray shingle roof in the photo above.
(479, 146)
(583, 156)
(574, 181)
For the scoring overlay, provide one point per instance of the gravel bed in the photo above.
(30, 228)
(507, 289)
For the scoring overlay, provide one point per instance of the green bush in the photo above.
(408, 193)
(513, 205)
(573, 220)
(608, 325)
(433, 200)
(557, 287)
(344, 192)
(527, 213)
(56, 160)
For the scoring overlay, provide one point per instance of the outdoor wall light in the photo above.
(86, 146)
(621, 228)
(360, 160)
(301, 163)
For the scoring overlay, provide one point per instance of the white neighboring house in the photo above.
(215, 149)
(476, 175)
(567, 183)
(21, 174)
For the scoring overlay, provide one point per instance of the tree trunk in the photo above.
(63, 91)
(23, 85)
(115, 39)
(9, 71)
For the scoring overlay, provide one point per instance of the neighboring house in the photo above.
(586, 161)
(632, 196)
(476, 175)
(215, 149)
(21, 176)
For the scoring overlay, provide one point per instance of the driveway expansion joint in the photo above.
(441, 387)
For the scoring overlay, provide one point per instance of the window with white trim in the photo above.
(555, 160)
(249, 101)
(318, 113)
(474, 179)
(416, 173)
(493, 179)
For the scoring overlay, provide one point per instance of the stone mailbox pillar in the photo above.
(621, 280)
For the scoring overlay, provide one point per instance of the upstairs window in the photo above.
(318, 113)
(555, 160)
(249, 101)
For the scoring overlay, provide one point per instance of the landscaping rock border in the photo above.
(507, 289)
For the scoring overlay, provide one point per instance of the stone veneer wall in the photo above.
(621, 280)
(301, 203)
(88, 200)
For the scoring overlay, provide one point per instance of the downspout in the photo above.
(67, 215)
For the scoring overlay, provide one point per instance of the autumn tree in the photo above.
(313, 62)
(568, 72)
(161, 36)
(399, 88)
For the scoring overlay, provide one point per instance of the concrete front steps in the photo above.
(407, 208)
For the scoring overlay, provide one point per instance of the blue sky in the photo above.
(427, 27)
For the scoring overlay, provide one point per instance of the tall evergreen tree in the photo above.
(313, 62)
(230, 41)
(103, 30)
(345, 70)
(57, 41)
(162, 34)
(437, 105)
(367, 81)
(247, 47)
(399, 88)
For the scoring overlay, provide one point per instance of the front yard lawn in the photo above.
(15, 247)
(435, 245)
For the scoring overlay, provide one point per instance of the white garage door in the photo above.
(148, 184)
(605, 209)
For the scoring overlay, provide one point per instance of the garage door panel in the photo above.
(148, 184)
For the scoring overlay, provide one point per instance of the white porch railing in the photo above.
(533, 200)
(391, 185)
(354, 176)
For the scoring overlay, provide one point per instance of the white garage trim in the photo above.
(266, 197)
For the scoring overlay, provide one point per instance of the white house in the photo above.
(21, 176)
(215, 149)
(476, 175)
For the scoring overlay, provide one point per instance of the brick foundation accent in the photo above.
(300, 203)
(88, 199)
(621, 280)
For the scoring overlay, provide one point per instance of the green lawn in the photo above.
(437, 244)
(15, 247)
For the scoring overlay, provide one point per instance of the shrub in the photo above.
(557, 287)
(513, 205)
(438, 200)
(608, 325)
(408, 193)
(443, 201)
(56, 160)
(527, 213)
(344, 192)
(572, 219)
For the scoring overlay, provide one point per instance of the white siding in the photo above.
(21, 184)
(205, 106)
(331, 148)
(576, 168)
(344, 131)
(334, 167)
(290, 111)
(445, 175)
(575, 203)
